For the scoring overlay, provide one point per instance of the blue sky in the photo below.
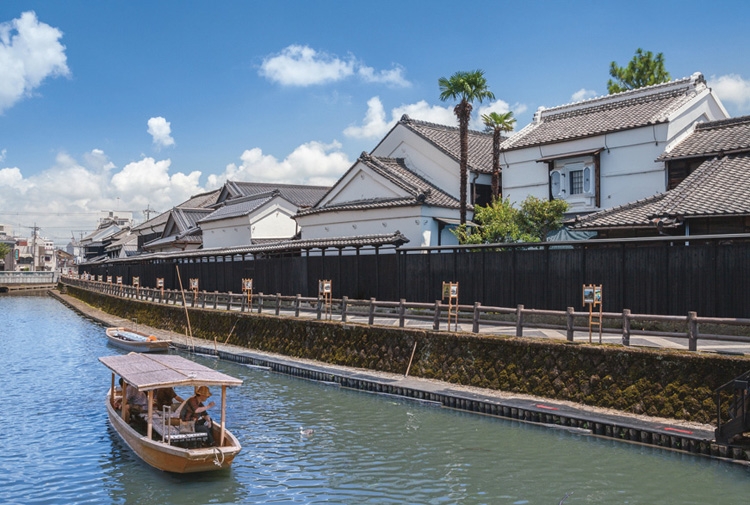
(128, 105)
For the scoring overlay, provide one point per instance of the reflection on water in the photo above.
(361, 448)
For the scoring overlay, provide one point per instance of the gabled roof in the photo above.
(239, 207)
(713, 138)
(419, 190)
(181, 228)
(300, 195)
(199, 201)
(649, 105)
(446, 139)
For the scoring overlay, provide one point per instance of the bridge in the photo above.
(27, 281)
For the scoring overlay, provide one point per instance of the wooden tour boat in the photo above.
(160, 441)
(135, 341)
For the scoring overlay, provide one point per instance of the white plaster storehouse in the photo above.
(408, 184)
(251, 213)
(604, 152)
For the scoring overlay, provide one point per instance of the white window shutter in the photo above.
(588, 186)
(554, 181)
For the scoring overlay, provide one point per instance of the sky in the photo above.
(132, 105)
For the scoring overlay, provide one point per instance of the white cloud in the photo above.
(160, 129)
(303, 66)
(71, 194)
(732, 89)
(376, 122)
(30, 52)
(582, 94)
(393, 77)
(499, 106)
(312, 163)
(2, 155)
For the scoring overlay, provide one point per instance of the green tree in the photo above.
(467, 87)
(539, 217)
(644, 69)
(496, 223)
(500, 222)
(5, 249)
(497, 123)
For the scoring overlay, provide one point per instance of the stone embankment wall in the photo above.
(665, 383)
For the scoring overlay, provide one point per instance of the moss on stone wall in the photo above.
(665, 383)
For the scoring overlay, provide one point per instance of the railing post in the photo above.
(243, 303)
(278, 303)
(436, 322)
(344, 306)
(296, 304)
(229, 301)
(216, 299)
(203, 299)
(626, 327)
(401, 312)
(320, 307)
(475, 326)
(371, 319)
(260, 302)
(569, 324)
(519, 321)
(692, 331)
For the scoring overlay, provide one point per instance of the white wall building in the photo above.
(603, 152)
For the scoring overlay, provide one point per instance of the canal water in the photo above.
(57, 446)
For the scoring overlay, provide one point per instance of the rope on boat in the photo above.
(218, 451)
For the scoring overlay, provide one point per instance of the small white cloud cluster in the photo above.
(30, 52)
(733, 89)
(161, 131)
(303, 66)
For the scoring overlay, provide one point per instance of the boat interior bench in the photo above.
(172, 434)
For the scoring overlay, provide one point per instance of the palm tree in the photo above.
(498, 123)
(466, 87)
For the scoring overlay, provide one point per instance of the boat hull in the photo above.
(171, 458)
(136, 345)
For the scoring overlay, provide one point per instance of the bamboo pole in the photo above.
(184, 304)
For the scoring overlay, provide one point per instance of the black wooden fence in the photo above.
(708, 274)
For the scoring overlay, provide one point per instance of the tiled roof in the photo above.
(446, 138)
(243, 207)
(394, 239)
(300, 195)
(194, 202)
(714, 138)
(621, 111)
(720, 186)
(419, 190)
(187, 219)
(631, 215)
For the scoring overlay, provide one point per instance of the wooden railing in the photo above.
(479, 316)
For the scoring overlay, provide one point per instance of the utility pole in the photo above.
(33, 248)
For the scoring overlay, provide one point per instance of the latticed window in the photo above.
(576, 182)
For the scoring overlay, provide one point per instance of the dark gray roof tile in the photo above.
(713, 138)
(621, 111)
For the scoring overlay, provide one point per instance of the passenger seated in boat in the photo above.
(194, 410)
(164, 397)
(136, 403)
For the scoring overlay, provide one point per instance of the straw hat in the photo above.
(203, 391)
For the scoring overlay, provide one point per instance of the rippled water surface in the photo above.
(57, 446)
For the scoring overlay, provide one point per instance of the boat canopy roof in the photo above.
(149, 371)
